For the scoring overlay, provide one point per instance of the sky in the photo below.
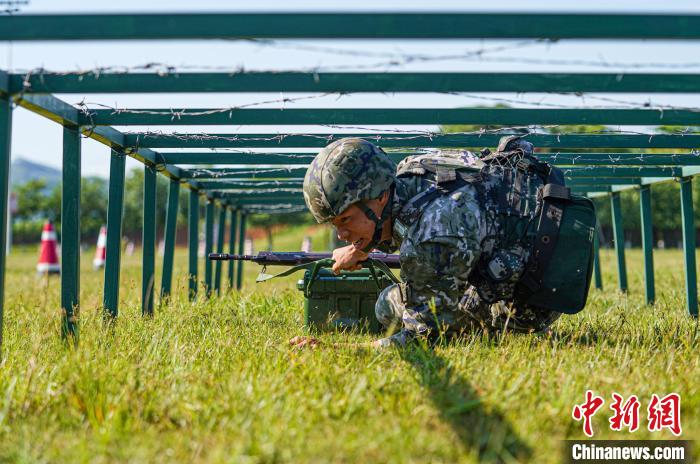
(38, 139)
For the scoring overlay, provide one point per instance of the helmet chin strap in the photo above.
(378, 221)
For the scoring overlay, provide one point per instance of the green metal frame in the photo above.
(619, 240)
(688, 226)
(597, 275)
(193, 243)
(169, 248)
(647, 242)
(241, 243)
(423, 25)
(232, 246)
(148, 241)
(592, 164)
(115, 211)
(220, 238)
(5, 150)
(208, 246)
(70, 233)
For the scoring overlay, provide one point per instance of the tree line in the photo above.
(37, 202)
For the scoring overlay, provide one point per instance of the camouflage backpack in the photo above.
(529, 195)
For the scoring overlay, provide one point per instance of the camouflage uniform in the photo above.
(440, 250)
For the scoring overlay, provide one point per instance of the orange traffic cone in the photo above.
(101, 250)
(48, 258)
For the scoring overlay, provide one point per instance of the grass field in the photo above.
(215, 381)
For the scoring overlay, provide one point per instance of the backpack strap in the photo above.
(553, 197)
(447, 180)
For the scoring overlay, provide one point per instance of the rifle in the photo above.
(295, 258)
(298, 260)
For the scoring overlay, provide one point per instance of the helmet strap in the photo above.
(378, 221)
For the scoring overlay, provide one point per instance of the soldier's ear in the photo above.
(384, 198)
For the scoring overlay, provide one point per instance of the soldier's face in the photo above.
(354, 226)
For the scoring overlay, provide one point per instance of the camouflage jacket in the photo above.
(441, 249)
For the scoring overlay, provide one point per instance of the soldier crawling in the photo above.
(464, 227)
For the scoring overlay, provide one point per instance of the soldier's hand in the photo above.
(348, 259)
(301, 342)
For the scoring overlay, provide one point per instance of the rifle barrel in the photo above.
(227, 257)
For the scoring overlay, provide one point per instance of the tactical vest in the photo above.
(542, 253)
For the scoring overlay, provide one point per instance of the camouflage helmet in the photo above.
(345, 172)
(513, 143)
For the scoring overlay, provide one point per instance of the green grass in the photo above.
(215, 381)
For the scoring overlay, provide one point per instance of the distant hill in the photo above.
(22, 170)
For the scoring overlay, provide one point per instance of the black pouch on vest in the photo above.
(558, 273)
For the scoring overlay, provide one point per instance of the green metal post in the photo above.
(241, 242)
(647, 243)
(148, 239)
(170, 228)
(619, 239)
(193, 242)
(691, 286)
(208, 245)
(597, 277)
(5, 141)
(70, 233)
(221, 231)
(115, 210)
(232, 247)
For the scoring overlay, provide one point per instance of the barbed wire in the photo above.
(559, 158)
(257, 153)
(256, 191)
(284, 211)
(164, 69)
(375, 54)
(405, 59)
(10, 7)
(265, 183)
(592, 63)
(428, 133)
(87, 108)
(613, 169)
(288, 207)
(555, 158)
(476, 55)
(407, 134)
(84, 107)
(215, 173)
(629, 104)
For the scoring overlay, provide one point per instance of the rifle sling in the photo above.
(373, 265)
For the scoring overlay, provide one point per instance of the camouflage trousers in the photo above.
(471, 314)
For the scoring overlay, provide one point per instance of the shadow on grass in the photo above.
(485, 432)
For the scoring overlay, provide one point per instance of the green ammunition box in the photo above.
(342, 302)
